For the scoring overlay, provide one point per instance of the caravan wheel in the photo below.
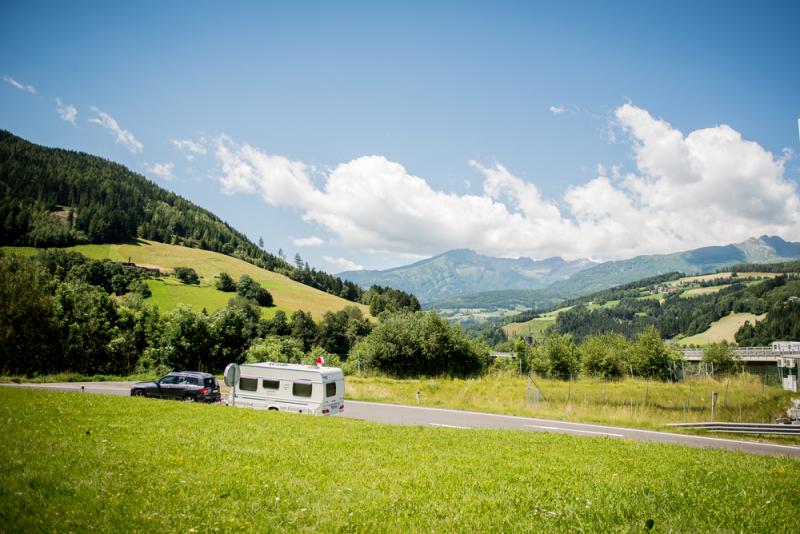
(272, 408)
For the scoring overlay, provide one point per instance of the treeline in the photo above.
(781, 267)
(53, 198)
(60, 311)
(608, 355)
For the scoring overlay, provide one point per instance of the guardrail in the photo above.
(751, 354)
(744, 428)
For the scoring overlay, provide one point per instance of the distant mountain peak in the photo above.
(463, 271)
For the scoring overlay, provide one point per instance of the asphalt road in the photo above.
(437, 417)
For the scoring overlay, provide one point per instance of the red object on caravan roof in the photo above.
(320, 361)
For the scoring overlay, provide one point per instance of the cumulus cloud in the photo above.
(162, 170)
(708, 187)
(312, 241)
(123, 136)
(67, 112)
(14, 83)
(190, 148)
(557, 110)
(342, 264)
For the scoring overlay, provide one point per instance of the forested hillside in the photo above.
(55, 197)
(677, 306)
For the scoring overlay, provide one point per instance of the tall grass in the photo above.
(627, 402)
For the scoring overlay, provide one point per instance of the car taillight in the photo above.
(325, 410)
(202, 391)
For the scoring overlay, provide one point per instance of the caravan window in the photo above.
(248, 384)
(330, 389)
(271, 384)
(301, 389)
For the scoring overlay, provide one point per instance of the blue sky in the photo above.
(372, 134)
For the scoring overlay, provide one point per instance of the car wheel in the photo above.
(138, 393)
(189, 398)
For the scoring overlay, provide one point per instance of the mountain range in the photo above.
(466, 279)
(462, 272)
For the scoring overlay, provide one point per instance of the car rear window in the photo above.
(210, 383)
(301, 389)
(330, 389)
(248, 384)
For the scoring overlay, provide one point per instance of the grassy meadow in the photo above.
(722, 330)
(111, 464)
(629, 402)
(168, 293)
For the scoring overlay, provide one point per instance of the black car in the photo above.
(180, 385)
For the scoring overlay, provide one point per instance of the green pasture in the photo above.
(168, 292)
(722, 330)
(699, 291)
(78, 463)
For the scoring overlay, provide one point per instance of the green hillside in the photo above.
(55, 197)
(168, 292)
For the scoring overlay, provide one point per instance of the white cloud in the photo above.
(190, 148)
(123, 136)
(312, 241)
(342, 264)
(162, 170)
(27, 88)
(67, 112)
(572, 109)
(708, 187)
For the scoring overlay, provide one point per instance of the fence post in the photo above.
(713, 404)
(569, 390)
(528, 391)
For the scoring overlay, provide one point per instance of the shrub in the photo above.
(652, 357)
(421, 344)
(557, 357)
(719, 357)
(225, 283)
(187, 275)
(607, 355)
(250, 289)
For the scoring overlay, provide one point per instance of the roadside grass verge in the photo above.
(93, 462)
(74, 377)
(628, 402)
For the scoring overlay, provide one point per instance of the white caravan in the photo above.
(286, 387)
